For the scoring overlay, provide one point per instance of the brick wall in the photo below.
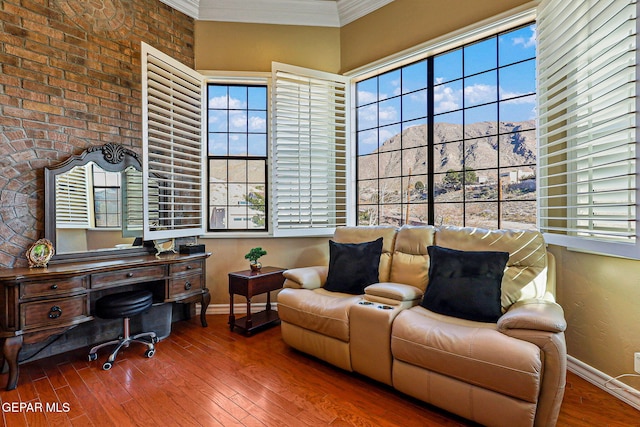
(70, 79)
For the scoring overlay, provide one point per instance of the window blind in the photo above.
(173, 147)
(309, 127)
(587, 111)
(74, 202)
(132, 203)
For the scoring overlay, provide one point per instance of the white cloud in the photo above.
(445, 98)
(221, 102)
(368, 116)
(237, 121)
(479, 94)
(388, 115)
(257, 124)
(365, 97)
(526, 43)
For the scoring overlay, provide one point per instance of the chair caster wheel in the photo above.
(149, 353)
(107, 365)
(154, 340)
(93, 357)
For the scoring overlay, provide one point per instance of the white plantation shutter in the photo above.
(132, 203)
(588, 169)
(173, 146)
(309, 127)
(73, 199)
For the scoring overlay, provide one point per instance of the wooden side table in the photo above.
(250, 283)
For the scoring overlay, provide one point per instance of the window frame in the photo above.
(502, 23)
(239, 80)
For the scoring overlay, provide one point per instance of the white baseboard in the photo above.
(601, 380)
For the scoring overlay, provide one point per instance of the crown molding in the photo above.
(188, 7)
(284, 12)
(324, 13)
(351, 10)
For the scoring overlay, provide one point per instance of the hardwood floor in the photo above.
(212, 377)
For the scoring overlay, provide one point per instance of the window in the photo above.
(106, 198)
(308, 150)
(451, 139)
(237, 157)
(588, 118)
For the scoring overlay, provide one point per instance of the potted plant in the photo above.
(253, 256)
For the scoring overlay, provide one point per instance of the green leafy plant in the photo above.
(255, 253)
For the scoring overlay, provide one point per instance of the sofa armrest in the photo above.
(542, 323)
(393, 294)
(534, 314)
(306, 277)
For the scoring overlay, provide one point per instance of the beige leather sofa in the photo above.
(505, 373)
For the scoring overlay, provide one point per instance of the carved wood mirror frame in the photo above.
(110, 157)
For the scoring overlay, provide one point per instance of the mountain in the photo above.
(517, 148)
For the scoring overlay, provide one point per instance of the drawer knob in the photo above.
(187, 285)
(129, 274)
(55, 312)
(54, 287)
(189, 267)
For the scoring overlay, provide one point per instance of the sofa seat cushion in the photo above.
(469, 351)
(318, 310)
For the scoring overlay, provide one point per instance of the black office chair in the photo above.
(123, 305)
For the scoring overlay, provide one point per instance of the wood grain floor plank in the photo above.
(48, 398)
(213, 377)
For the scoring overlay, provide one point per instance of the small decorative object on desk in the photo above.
(164, 245)
(40, 253)
(253, 256)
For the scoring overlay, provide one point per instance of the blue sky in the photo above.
(237, 120)
(496, 69)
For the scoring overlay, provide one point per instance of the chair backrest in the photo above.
(367, 234)
(526, 273)
(410, 263)
(405, 258)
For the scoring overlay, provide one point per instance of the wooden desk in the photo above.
(37, 303)
(250, 283)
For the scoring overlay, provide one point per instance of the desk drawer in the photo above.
(189, 267)
(183, 286)
(54, 312)
(53, 287)
(131, 275)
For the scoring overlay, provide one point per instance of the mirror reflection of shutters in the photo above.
(73, 199)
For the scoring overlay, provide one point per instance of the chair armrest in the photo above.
(393, 293)
(534, 314)
(306, 277)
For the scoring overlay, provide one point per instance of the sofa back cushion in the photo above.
(526, 273)
(410, 258)
(369, 234)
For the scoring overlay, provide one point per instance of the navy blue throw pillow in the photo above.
(465, 284)
(353, 266)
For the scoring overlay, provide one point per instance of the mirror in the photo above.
(93, 204)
